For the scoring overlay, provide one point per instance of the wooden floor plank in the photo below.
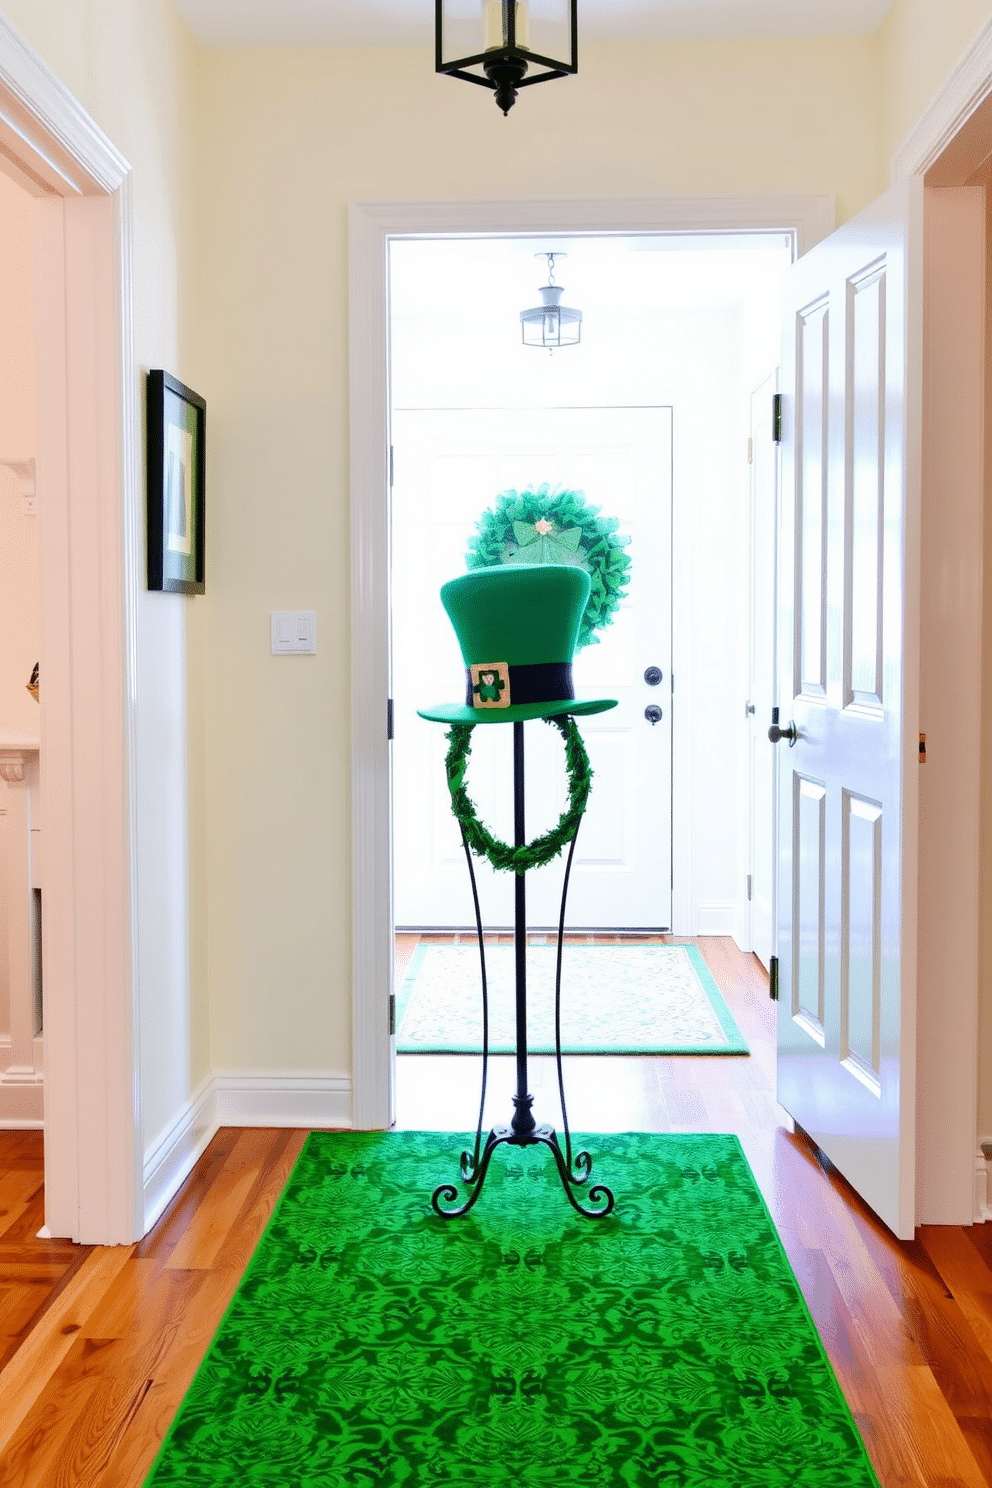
(40, 1355)
(29, 1461)
(963, 1270)
(130, 1464)
(236, 1251)
(211, 1224)
(18, 1187)
(98, 1431)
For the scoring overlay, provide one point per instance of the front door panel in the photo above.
(849, 546)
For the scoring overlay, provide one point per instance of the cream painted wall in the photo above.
(920, 43)
(287, 139)
(132, 64)
(19, 624)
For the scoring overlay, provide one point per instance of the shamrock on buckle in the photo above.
(490, 684)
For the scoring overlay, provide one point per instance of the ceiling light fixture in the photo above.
(551, 324)
(495, 43)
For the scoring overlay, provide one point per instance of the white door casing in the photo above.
(762, 690)
(849, 681)
(450, 464)
(371, 226)
(89, 519)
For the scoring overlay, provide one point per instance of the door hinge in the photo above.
(777, 418)
(392, 1014)
(750, 450)
(773, 978)
(750, 882)
(923, 749)
(389, 718)
(748, 710)
(390, 465)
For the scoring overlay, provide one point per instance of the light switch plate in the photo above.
(294, 632)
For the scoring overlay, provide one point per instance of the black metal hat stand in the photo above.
(523, 1130)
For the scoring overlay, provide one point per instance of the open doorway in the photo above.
(650, 416)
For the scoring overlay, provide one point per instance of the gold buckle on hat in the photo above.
(490, 684)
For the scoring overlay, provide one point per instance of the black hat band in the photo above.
(537, 682)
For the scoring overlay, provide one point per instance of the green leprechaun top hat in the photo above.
(517, 627)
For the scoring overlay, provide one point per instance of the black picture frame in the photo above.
(176, 423)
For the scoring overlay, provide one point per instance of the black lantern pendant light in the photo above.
(499, 44)
(551, 324)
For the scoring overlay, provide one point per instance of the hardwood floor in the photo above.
(99, 1345)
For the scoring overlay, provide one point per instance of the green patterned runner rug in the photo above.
(371, 1343)
(615, 999)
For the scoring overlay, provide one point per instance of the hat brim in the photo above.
(515, 713)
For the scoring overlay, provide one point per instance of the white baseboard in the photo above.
(174, 1154)
(983, 1190)
(284, 1098)
(304, 1098)
(716, 917)
(742, 926)
(22, 1103)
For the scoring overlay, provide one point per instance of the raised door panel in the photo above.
(864, 530)
(808, 897)
(812, 407)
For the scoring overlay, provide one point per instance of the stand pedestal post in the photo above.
(523, 1123)
(523, 1130)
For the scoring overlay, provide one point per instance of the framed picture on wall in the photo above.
(176, 465)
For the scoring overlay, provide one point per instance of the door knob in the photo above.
(653, 713)
(653, 676)
(790, 732)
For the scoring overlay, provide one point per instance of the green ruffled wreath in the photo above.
(546, 526)
(542, 849)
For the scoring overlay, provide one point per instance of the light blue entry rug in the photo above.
(615, 999)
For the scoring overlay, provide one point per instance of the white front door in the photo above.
(449, 465)
(848, 628)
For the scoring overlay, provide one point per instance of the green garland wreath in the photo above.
(542, 849)
(516, 530)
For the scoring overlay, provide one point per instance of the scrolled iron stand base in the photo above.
(574, 1169)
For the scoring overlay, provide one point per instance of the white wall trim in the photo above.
(716, 917)
(961, 94)
(22, 1107)
(982, 1210)
(47, 131)
(371, 225)
(297, 1099)
(174, 1154)
(88, 460)
(285, 1098)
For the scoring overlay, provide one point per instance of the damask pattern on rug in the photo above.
(373, 1343)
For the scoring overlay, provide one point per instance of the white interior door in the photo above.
(449, 465)
(762, 681)
(849, 635)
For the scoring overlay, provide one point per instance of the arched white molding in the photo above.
(88, 467)
(371, 226)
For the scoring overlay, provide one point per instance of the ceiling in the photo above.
(361, 23)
